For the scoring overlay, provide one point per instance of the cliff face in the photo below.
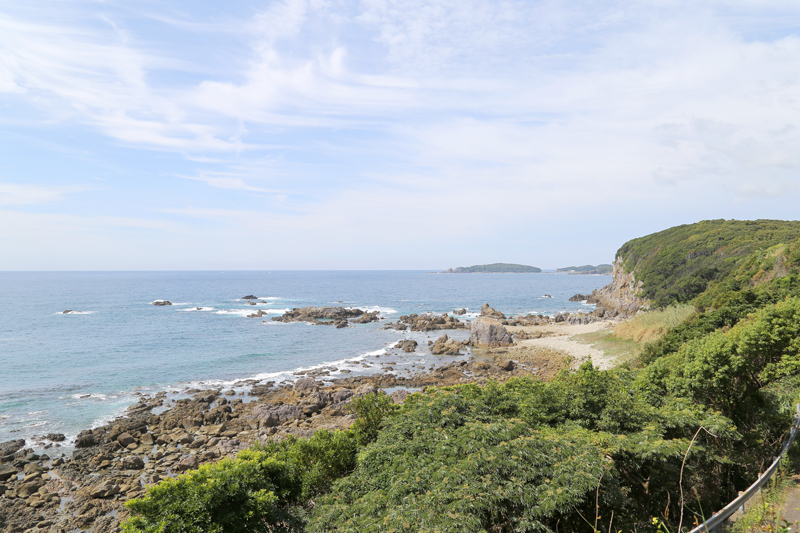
(620, 296)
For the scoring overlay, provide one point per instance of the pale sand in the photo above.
(562, 339)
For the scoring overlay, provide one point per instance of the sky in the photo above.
(386, 134)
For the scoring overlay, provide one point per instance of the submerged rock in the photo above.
(162, 302)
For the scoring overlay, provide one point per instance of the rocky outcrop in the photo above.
(11, 446)
(323, 316)
(446, 346)
(621, 296)
(426, 322)
(162, 302)
(487, 310)
(407, 345)
(249, 297)
(460, 312)
(588, 298)
(489, 332)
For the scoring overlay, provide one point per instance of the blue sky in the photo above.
(386, 134)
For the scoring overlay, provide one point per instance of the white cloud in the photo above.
(18, 194)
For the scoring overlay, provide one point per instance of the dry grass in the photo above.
(649, 326)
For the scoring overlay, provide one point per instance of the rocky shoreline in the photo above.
(161, 437)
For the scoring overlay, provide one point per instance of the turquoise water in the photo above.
(63, 373)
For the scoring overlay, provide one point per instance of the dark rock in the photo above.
(460, 312)
(320, 315)
(249, 297)
(489, 332)
(125, 439)
(85, 439)
(367, 318)
(11, 446)
(190, 463)
(132, 462)
(342, 395)
(55, 437)
(507, 365)
(426, 322)
(162, 302)
(7, 472)
(408, 345)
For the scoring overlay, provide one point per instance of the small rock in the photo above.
(162, 302)
(190, 463)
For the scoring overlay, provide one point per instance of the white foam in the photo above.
(245, 312)
(88, 396)
(197, 309)
(76, 313)
(271, 298)
(373, 308)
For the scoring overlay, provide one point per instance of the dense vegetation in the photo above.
(588, 269)
(590, 450)
(495, 268)
(712, 257)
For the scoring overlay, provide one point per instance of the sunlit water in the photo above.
(61, 373)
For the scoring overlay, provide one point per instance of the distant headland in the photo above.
(494, 268)
(587, 269)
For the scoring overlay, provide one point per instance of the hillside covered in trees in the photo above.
(656, 443)
(707, 259)
(494, 268)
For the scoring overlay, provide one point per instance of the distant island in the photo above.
(587, 269)
(509, 268)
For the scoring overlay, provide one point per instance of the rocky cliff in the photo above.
(621, 296)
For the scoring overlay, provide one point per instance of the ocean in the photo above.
(61, 373)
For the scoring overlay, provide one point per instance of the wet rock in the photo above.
(367, 318)
(408, 345)
(55, 437)
(85, 439)
(426, 322)
(249, 297)
(488, 311)
(460, 312)
(320, 315)
(11, 446)
(162, 302)
(489, 332)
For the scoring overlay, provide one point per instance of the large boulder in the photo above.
(306, 385)
(486, 310)
(408, 345)
(11, 446)
(7, 472)
(489, 332)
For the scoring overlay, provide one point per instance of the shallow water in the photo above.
(60, 373)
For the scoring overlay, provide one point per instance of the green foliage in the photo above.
(515, 457)
(496, 268)
(371, 410)
(231, 496)
(267, 488)
(678, 264)
(726, 368)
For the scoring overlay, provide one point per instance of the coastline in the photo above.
(168, 433)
